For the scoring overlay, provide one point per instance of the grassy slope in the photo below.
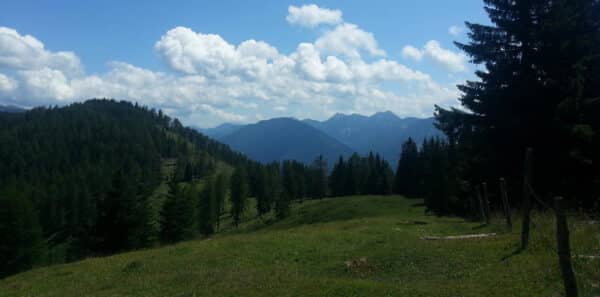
(304, 255)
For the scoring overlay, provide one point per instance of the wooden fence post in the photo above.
(526, 199)
(505, 203)
(486, 202)
(564, 249)
(481, 206)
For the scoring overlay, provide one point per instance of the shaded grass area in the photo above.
(306, 255)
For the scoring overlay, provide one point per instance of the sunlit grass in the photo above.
(305, 255)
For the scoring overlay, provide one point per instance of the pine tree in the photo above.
(178, 216)
(407, 177)
(239, 194)
(122, 219)
(274, 186)
(208, 207)
(220, 195)
(21, 242)
(352, 175)
(263, 203)
(289, 180)
(338, 177)
(319, 179)
(538, 57)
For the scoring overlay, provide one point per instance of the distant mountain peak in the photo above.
(385, 114)
(341, 116)
(285, 138)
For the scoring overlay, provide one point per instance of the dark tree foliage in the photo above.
(406, 180)
(336, 178)
(208, 207)
(21, 243)
(220, 187)
(294, 180)
(263, 202)
(273, 185)
(361, 176)
(191, 167)
(438, 185)
(239, 194)
(87, 171)
(318, 177)
(122, 218)
(539, 90)
(178, 215)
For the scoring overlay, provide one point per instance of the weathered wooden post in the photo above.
(486, 202)
(505, 203)
(481, 205)
(526, 199)
(564, 249)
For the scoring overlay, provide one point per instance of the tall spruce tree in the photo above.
(538, 57)
(239, 194)
(338, 177)
(408, 172)
(221, 187)
(319, 177)
(208, 208)
(178, 215)
(263, 203)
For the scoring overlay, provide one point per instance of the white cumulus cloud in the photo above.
(412, 52)
(25, 52)
(349, 40)
(210, 80)
(312, 15)
(433, 50)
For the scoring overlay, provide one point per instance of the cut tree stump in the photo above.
(469, 236)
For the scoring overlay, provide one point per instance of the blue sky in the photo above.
(237, 61)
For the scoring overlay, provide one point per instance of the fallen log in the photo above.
(469, 236)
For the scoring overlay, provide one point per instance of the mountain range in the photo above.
(340, 135)
(11, 109)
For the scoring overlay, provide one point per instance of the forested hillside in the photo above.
(103, 176)
(76, 181)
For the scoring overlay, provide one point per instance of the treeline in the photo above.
(76, 181)
(361, 176)
(428, 172)
(537, 89)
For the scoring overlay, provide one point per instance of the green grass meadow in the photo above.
(348, 246)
